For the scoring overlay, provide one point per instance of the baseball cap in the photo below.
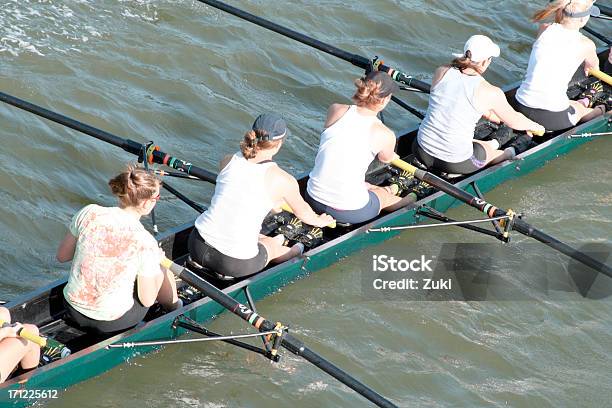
(387, 85)
(273, 124)
(481, 47)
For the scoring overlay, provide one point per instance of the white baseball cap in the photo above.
(481, 47)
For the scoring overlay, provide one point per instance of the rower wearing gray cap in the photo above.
(557, 54)
(459, 97)
(352, 138)
(226, 237)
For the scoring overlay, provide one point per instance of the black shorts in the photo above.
(471, 165)
(212, 259)
(102, 327)
(366, 213)
(552, 121)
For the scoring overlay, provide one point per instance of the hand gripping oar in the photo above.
(283, 338)
(491, 211)
(23, 333)
(286, 207)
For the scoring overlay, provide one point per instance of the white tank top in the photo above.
(345, 153)
(447, 131)
(555, 57)
(241, 202)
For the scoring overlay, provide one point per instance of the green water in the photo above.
(192, 79)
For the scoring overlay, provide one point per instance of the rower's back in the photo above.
(240, 203)
(334, 180)
(556, 56)
(448, 128)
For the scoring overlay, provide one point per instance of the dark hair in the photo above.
(464, 62)
(256, 140)
(368, 92)
(134, 186)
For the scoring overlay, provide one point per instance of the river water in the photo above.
(192, 79)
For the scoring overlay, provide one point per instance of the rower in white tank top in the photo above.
(448, 128)
(556, 56)
(334, 181)
(232, 225)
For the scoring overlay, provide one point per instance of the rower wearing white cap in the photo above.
(557, 54)
(459, 97)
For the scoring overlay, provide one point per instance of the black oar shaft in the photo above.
(289, 342)
(354, 59)
(519, 225)
(128, 145)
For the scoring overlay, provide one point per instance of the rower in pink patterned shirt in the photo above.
(116, 274)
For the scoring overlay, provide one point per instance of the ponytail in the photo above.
(367, 93)
(256, 140)
(464, 62)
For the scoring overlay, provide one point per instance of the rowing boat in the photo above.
(92, 356)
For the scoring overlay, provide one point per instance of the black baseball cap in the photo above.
(387, 85)
(273, 124)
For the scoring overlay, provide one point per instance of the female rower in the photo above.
(226, 238)
(557, 54)
(116, 274)
(14, 350)
(459, 97)
(352, 138)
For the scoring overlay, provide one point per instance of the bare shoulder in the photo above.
(588, 44)
(278, 176)
(381, 131)
(335, 112)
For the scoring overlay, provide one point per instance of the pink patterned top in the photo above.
(113, 248)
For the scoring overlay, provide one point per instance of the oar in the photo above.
(354, 59)
(154, 155)
(602, 76)
(597, 35)
(23, 333)
(286, 340)
(490, 210)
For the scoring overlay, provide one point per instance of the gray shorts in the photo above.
(366, 213)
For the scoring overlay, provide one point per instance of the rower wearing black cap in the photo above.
(557, 54)
(352, 138)
(226, 237)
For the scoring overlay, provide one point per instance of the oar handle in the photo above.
(602, 76)
(400, 164)
(537, 132)
(23, 333)
(285, 207)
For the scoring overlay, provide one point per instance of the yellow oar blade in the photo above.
(602, 76)
(285, 207)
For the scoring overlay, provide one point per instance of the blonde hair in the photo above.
(135, 185)
(256, 140)
(367, 93)
(556, 8)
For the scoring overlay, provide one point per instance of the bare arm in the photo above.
(289, 192)
(224, 162)
(591, 60)
(66, 249)
(148, 288)
(492, 98)
(384, 143)
(334, 113)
